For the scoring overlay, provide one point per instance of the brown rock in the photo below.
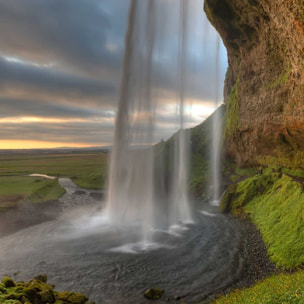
(265, 45)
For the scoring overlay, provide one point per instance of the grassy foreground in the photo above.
(277, 289)
(274, 202)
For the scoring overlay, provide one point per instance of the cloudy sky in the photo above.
(61, 64)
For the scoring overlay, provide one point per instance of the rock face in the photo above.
(264, 86)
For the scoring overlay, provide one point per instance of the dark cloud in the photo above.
(74, 33)
(31, 108)
(26, 77)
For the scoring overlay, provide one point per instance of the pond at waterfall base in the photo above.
(83, 252)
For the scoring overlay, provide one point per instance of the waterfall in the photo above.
(216, 136)
(133, 196)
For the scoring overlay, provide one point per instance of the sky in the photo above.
(61, 65)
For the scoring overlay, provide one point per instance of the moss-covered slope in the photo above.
(274, 203)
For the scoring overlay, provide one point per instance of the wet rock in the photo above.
(79, 192)
(154, 293)
(97, 196)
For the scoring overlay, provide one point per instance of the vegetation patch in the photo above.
(274, 203)
(282, 288)
(37, 291)
(18, 189)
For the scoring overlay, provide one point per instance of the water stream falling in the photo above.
(132, 192)
(216, 136)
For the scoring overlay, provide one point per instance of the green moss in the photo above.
(72, 297)
(8, 282)
(232, 113)
(36, 291)
(274, 203)
(293, 159)
(283, 288)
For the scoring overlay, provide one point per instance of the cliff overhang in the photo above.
(264, 86)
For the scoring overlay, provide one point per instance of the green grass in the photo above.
(278, 289)
(275, 205)
(86, 169)
(18, 189)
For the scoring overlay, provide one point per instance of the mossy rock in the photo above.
(41, 277)
(72, 297)
(154, 293)
(36, 291)
(8, 282)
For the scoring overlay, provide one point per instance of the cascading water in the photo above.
(216, 137)
(179, 199)
(132, 192)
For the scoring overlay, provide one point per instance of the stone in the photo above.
(154, 293)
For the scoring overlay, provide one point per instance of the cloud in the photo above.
(25, 78)
(62, 60)
(71, 33)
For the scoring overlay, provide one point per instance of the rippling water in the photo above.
(82, 252)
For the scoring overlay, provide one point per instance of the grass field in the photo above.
(86, 169)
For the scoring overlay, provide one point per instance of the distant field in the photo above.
(86, 169)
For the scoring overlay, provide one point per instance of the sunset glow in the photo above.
(28, 144)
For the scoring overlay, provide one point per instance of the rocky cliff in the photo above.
(264, 86)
